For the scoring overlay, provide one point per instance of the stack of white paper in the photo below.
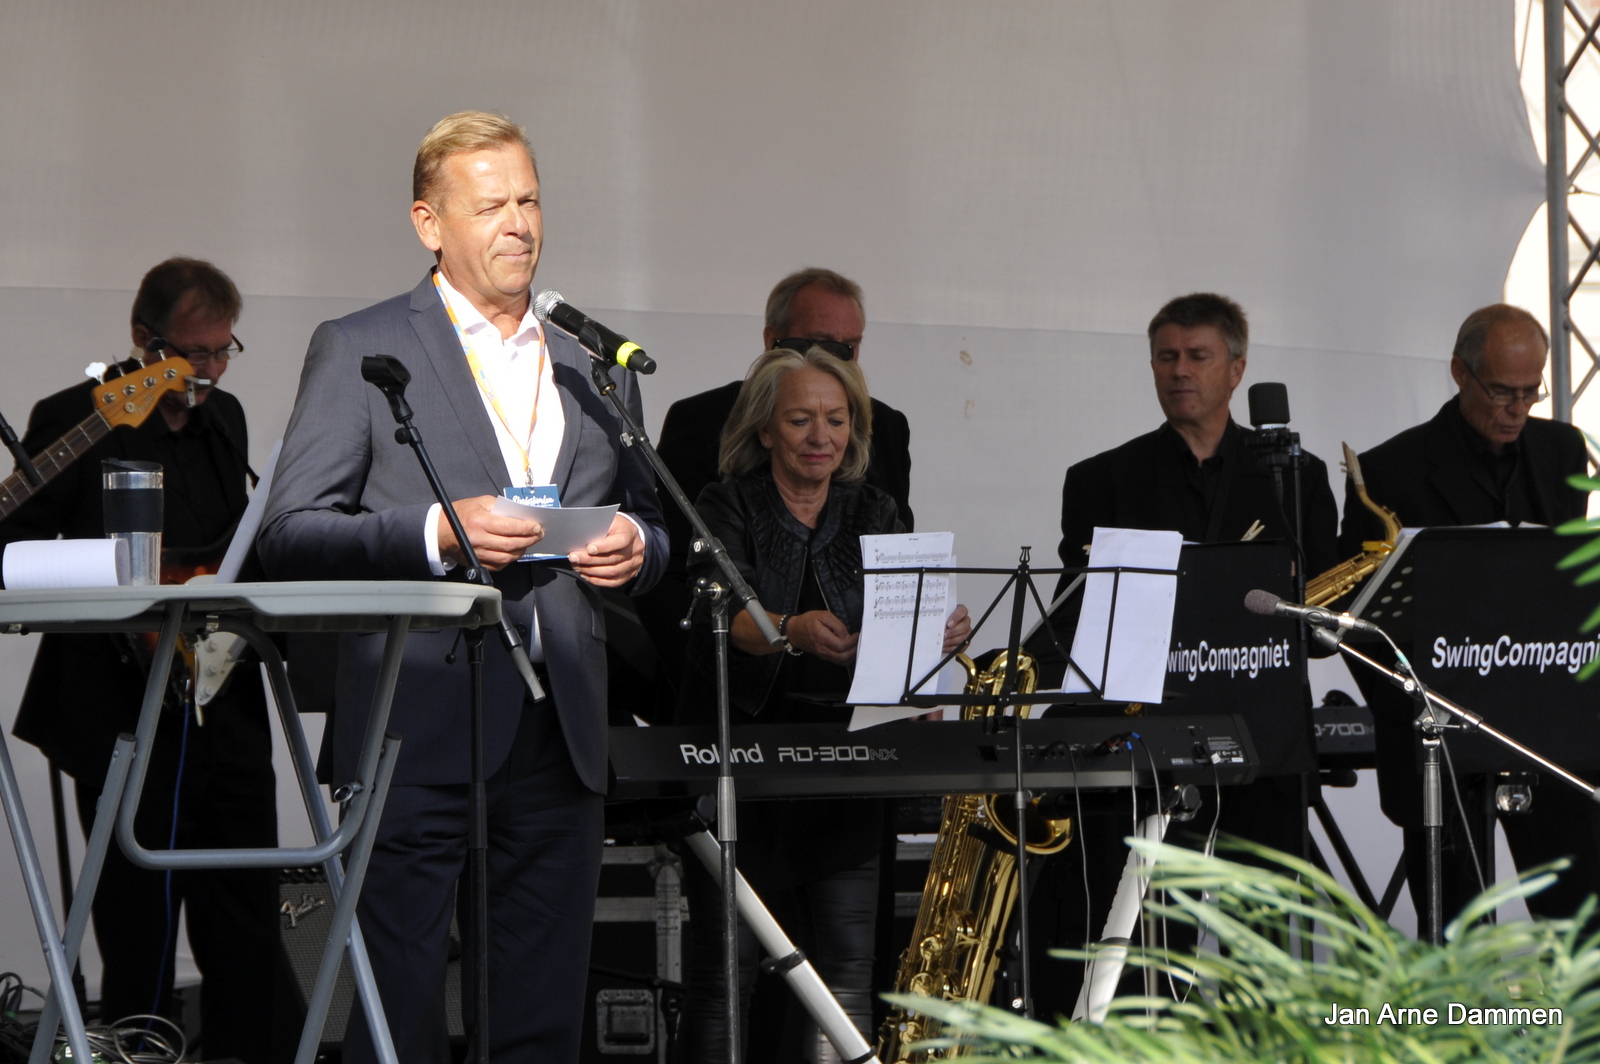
(56, 563)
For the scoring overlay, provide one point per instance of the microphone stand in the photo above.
(1433, 718)
(8, 436)
(390, 376)
(1278, 446)
(733, 590)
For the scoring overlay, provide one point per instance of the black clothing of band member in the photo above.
(691, 437)
(1155, 482)
(815, 863)
(1443, 472)
(86, 689)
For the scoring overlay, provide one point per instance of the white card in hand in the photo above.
(566, 528)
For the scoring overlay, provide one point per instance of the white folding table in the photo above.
(249, 611)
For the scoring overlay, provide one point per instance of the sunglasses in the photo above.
(801, 344)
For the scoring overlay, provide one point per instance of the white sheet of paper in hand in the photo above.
(1137, 668)
(566, 528)
(886, 622)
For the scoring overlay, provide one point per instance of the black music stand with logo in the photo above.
(1507, 644)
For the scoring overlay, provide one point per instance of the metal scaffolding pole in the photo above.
(1560, 16)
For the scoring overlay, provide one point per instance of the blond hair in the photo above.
(742, 451)
(455, 134)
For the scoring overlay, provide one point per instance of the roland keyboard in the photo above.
(933, 757)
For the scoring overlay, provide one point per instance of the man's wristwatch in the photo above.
(783, 630)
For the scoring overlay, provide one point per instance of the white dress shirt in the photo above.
(520, 372)
(519, 369)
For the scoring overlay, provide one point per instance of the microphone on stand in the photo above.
(1269, 405)
(609, 346)
(1269, 605)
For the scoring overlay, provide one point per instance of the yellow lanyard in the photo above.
(488, 388)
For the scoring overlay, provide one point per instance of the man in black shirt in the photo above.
(85, 689)
(1479, 460)
(1196, 474)
(813, 306)
(807, 307)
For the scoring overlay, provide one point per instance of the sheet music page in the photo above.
(1136, 668)
(886, 622)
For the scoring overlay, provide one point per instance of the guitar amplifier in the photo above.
(305, 912)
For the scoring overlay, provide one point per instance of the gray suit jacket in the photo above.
(348, 501)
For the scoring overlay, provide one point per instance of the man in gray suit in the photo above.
(502, 403)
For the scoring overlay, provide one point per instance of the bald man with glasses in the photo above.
(1481, 459)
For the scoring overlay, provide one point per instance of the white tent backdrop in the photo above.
(1018, 185)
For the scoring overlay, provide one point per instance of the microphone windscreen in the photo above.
(1262, 602)
(1269, 404)
(546, 301)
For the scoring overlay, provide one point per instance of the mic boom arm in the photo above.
(704, 542)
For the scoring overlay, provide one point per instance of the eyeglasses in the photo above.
(1499, 395)
(837, 348)
(222, 354)
(157, 342)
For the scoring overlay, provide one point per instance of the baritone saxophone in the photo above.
(970, 892)
(1336, 583)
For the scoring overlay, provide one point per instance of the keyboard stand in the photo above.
(249, 611)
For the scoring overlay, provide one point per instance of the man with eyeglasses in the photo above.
(85, 689)
(1479, 460)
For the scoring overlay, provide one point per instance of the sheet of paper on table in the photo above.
(34, 564)
(1136, 668)
(888, 607)
(566, 528)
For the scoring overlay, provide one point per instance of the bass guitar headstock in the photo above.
(129, 399)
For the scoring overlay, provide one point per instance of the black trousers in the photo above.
(815, 864)
(228, 798)
(545, 836)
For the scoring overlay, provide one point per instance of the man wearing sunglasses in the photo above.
(85, 689)
(813, 307)
(1481, 459)
(810, 308)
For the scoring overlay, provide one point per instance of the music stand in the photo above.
(1021, 588)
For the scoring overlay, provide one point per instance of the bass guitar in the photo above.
(124, 400)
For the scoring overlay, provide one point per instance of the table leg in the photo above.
(344, 910)
(94, 858)
(306, 775)
(39, 897)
